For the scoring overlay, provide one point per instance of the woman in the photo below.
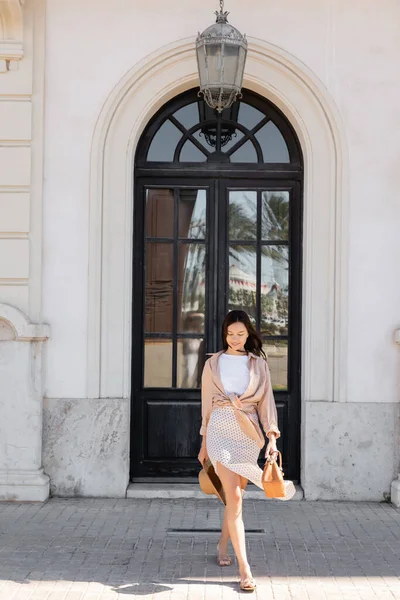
(236, 387)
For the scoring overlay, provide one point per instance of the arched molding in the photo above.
(11, 33)
(301, 96)
(23, 329)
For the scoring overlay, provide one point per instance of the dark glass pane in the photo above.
(273, 144)
(274, 290)
(243, 279)
(190, 362)
(157, 363)
(159, 213)
(192, 214)
(245, 154)
(191, 288)
(162, 147)
(242, 215)
(277, 353)
(249, 116)
(159, 287)
(275, 215)
(190, 153)
(188, 115)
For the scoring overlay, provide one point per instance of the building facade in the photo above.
(132, 218)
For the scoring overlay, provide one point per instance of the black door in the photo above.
(218, 209)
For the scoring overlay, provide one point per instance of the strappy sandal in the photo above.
(223, 560)
(247, 584)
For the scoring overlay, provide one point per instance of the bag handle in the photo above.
(269, 459)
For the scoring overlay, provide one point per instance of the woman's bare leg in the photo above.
(231, 484)
(224, 538)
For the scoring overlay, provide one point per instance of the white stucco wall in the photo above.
(353, 48)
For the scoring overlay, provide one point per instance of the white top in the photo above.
(234, 373)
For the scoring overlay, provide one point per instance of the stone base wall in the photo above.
(350, 450)
(86, 446)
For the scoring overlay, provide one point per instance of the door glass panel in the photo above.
(192, 213)
(190, 362)
(249, 116)
(274, 290)
(159, 213)
(157, 363)
(190, 153)
(275, 215)
(242, 215)
(162, 147)
(277, 353)
(272, 144)
(245, 154)
(191, 288)
(188, 115)
(243, 279)
(159, 287)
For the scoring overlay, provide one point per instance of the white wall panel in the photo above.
(14, 212)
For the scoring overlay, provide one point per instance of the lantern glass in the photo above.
(202, 64)
(231, 65)
(221, 56)
(214, 64)
(240, 66)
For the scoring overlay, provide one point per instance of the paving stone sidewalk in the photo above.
(94, 549)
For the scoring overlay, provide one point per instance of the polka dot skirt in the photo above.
(229, 445)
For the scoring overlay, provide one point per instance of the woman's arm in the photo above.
(206, 399)
(206, 407)
(266, 408)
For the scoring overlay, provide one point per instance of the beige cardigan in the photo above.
(257, 398)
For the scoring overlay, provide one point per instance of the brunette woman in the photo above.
(237, 396)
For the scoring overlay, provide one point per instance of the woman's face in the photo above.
(236, 336)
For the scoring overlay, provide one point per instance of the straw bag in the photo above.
(272, 478)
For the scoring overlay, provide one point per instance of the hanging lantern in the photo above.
(221, 56)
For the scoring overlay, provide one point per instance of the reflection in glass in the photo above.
(249, 116)
(162, 147)
(243, 279)
(192, 213)
(274, 290)
(207, 142)
(277, 353)
(190, 153)
(275, 215)
(191, 288)
(190, 362)
(157, 363)
(272, 144)
(188, 115)
(228, 135)
(159, 213)
(245, 154)
(229, 143)
(159, 287)
(243, 215)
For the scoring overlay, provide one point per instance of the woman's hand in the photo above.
(203, 456)
(271, 450)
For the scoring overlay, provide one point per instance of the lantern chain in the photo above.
(221, 5)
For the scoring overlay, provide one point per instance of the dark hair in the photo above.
(253, 343)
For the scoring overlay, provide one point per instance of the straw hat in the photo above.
(210, 483)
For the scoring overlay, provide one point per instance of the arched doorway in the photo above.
(217, 225)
